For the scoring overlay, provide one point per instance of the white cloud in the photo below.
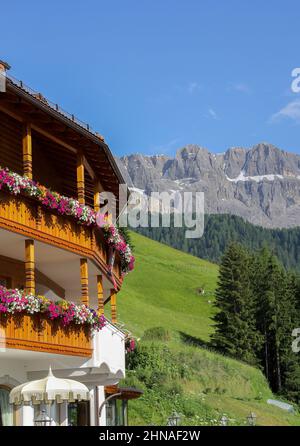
(212, 113)
(290, 111)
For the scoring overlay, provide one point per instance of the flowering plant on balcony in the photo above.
(17, 301)
(17, 184)
(116, 240)
(130, 344)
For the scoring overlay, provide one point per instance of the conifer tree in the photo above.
(291, 359)
(275, 317)
(236, 333)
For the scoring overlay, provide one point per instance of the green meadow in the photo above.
(167, 303)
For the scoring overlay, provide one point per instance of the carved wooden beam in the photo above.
(27, 150)
(80, 177)
(113, 305)
(84, 278)
(100, 295)
(97, 191)
(29, 267)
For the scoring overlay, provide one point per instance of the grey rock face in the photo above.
(261, 184)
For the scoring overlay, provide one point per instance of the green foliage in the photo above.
(163, 293)
(292, 381)
(199, 384)
(126, 235)
(256, 299)
(221, 230)
(236, 333)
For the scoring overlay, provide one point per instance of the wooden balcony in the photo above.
(40, 334)
(27, 217)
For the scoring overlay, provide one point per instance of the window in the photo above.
(79, 413)
(6, 410)
(116, 412)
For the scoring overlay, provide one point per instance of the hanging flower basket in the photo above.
(16, 184)
(14, 301)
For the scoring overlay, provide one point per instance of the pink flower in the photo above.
(79, 212)
(16, 184)
(100, 220)
(3, 308)
(131, 263)
(54, 311)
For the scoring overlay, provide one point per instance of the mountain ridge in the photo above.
(260, 184)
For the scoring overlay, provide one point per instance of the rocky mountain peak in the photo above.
(190, 151)
(267, 159)
(260, 184)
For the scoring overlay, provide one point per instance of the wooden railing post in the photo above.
(29, 267)
(113, 305)
(80, 177)
(84, 278)
(97, 190)
(27, 150)
(100, 295)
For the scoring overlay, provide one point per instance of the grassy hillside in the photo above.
(161, 303)
(164, 291)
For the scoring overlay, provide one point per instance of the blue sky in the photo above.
(154, 75)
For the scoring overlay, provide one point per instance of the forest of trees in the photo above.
(220, 230)
(258, 304)
(258, 294)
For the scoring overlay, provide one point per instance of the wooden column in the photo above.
(29, 267)
(84, 278)
(27, 150)
(100, 295)
(97, 190)
(113, 305)
(80, 177)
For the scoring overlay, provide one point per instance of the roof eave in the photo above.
(57, 115)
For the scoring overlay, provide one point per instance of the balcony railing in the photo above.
(51, 104)
(27, 217)
(40, 334)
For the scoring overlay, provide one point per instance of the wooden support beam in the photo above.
(113, 305)
(100, 295)
(97, 191)
(29, 267)
(27, 150)
(80, 177)
(84, 279)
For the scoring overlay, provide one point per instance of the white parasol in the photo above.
(49, 389)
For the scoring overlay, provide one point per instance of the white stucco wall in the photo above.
(12, 371)
(101, 397)
(109, 350)
(105, 367)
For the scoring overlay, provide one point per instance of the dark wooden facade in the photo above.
(41, 142)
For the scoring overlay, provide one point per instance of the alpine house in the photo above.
(62, 261)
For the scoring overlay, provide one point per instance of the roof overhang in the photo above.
(125, 393)
(50, 118)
